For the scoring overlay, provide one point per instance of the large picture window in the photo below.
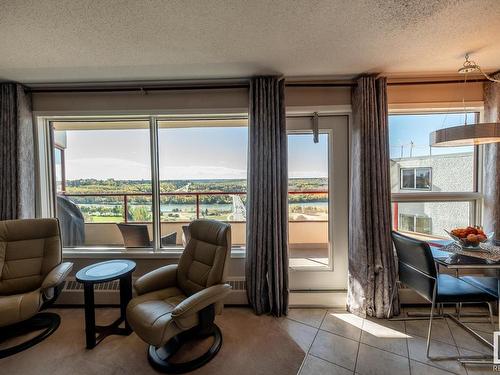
(433, 188)
(104, 175)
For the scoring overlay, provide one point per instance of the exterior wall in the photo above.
(313, 232)
(445, 169)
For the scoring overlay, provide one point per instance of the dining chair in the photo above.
(417, 270)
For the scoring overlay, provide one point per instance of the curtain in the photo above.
(491, 171)
(17, 169)
(372, 267)
(267, 205)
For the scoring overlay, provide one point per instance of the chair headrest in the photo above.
(210, 231)
(26, 229)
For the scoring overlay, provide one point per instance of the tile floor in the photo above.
(337, 342)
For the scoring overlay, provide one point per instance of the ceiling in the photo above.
(87, 40)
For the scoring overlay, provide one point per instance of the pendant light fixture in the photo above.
(467, 135)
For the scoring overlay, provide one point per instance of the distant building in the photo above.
(436, 173)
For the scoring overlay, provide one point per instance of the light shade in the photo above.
(468, 135)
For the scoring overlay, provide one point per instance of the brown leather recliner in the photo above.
(176, 303)
(31, 278)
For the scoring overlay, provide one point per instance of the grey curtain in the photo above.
(17, 173)
(267, 205)
(492, 161)
(372, 267)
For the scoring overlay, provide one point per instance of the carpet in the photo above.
(252, 345)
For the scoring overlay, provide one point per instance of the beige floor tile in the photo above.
(476, 369)
(440, 330)
(301, 333)
(317, 366)
(418, 368)
(464, 339)
(312, 317)
(481, 327)
(335, 349)
(343, 323)
(386, 335)
(417, 351)
(373, 361)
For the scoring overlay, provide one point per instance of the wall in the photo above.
(441, 95)
(398, 96)
(229, 100)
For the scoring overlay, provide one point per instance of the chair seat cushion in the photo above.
(150, 315)
(453, 290)
(18, 307)
(487, 283)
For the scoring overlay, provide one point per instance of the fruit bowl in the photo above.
(469, 237)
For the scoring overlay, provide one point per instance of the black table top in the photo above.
(105, 271)
(453, 260)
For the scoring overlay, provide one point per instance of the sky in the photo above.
(403, 129)
(221, 153)
(185, 153)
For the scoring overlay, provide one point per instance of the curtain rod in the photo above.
(145, 88)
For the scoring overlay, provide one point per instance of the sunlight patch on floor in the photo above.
(381, 331)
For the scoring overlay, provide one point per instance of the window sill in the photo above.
(122, 253)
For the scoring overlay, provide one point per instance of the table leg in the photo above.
(125, 297)
(88, 292)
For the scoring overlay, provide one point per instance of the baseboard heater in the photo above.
(109, 293)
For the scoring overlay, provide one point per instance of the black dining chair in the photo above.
(417, 270)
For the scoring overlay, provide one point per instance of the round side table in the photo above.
(119, 269)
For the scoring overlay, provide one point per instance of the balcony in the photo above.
(308, 225)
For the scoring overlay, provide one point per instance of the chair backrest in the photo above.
(29, 250)
(169, 239)
(205, 259)
(417, 268)
(135, 235)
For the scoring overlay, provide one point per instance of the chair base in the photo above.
(49, 322)
(159, 357)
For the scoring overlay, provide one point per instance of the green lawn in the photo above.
(106, 219)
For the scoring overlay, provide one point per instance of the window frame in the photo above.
(474, 197)
(45, 178)
(415, 178)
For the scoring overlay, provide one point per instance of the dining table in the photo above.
(454, 259)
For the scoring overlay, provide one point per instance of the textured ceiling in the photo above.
(88, 40)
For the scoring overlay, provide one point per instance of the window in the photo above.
(415, 223)
(416, 178)
(433, 188)
(203, 174)
(109, 185)
(103, 179)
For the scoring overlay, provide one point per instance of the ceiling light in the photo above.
(467, 135)
(472, 67)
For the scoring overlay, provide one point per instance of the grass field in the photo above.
(106, 219)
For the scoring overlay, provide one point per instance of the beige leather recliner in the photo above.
(31, 278)
(176, 303)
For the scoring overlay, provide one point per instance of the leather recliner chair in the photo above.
(31, 277)
(177, 303)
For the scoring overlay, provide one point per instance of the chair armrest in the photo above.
(57, 275)
(161, 278)
(200, 300)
